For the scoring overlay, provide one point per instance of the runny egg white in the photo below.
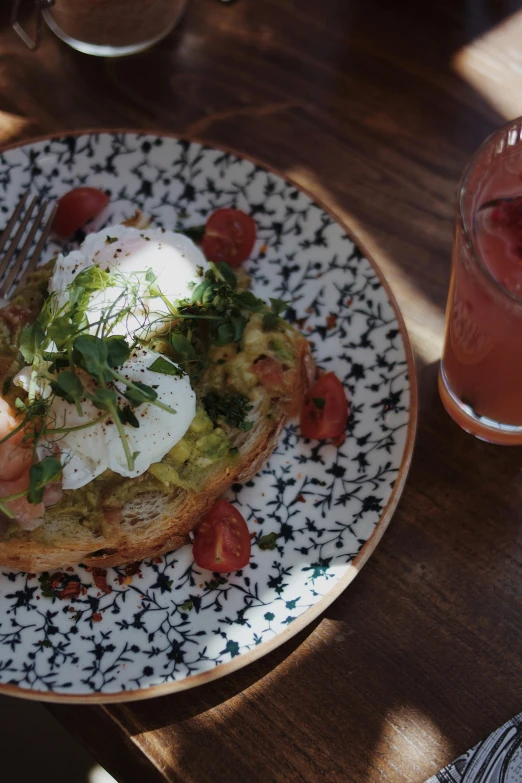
(133, 257)
(87, 453)
(128, 254)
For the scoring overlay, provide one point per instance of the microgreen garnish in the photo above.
(165, 367)
(216, 312)
(230, 408)
(69, 387)
(271, 319)
(138, 393)
(224, 272)
(31, 342)
(268, 541)
(118, 350)
(182, 346)
(318, 402)
(127, 416)
(42, 473)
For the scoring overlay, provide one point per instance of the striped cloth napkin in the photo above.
(497, 759)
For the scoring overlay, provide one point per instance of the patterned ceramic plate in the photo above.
(173, 625)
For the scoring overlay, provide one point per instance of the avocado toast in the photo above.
(247, 368)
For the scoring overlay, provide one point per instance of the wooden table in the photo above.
(375, 107)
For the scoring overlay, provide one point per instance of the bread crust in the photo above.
(158, 522)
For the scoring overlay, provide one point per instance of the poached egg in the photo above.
(140, 261)
(134, 256)
(87, 453)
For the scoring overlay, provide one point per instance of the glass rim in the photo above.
(462, 192)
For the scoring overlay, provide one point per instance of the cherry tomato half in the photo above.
(222, 541)
(325, 409)
(76, 208)
(229, 236)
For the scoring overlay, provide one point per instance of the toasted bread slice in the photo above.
(158, 522)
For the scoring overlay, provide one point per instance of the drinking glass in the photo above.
(112, 28)
(480, 378)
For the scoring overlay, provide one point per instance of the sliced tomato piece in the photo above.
(76, 208)
(269, 372)
(229, 236)
(325, 409)
(222, 541)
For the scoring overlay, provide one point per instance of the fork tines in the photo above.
(12, 268)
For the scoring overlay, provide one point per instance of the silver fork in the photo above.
(39, 222)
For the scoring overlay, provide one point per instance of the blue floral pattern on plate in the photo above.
(170, 620)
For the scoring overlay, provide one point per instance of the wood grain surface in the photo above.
(375, 107)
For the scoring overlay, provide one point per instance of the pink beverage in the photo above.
(480, 380)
